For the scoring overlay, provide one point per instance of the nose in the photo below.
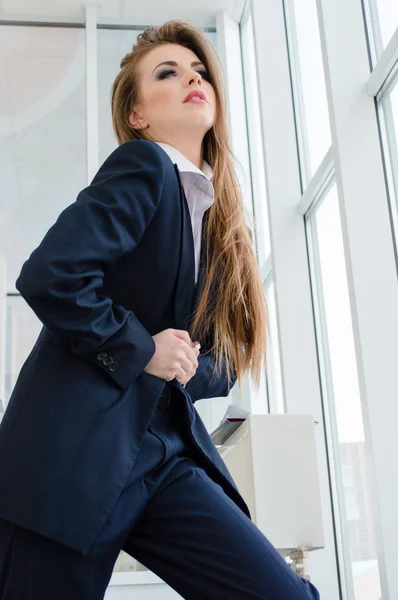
(195, 77)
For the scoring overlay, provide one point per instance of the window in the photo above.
(309, 91)
(387, 102)
(255, 141)
(42, 156)
(43, 137)
(340, 390)
(384, 17)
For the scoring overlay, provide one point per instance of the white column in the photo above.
(92, 8)
(297, 342)
(370, 261)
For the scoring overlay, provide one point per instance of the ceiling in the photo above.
(121, 12)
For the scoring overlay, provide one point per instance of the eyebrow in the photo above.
(173, 63)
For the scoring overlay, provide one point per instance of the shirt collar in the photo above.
(185, 165)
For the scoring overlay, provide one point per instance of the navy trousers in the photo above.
(187, 531)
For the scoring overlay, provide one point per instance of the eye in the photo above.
(206, 75)
(164, 73)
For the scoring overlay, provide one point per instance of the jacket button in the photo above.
(113, 366)
(107, 361)
(101, 355)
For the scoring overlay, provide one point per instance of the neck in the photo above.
(190, 151)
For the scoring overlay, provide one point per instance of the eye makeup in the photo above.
(163, 74)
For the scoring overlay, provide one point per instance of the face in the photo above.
(163, 89)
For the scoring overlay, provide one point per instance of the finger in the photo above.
(183, 335)
(184, 380)
(181, 375)
(187, 376)
(191, 355)
(186, 365)
(196, 345)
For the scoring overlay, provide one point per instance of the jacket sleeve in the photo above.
(206, 385)
(61, 278)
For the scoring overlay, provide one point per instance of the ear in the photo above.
(136, 121)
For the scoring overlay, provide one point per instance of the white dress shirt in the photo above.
(198, 190)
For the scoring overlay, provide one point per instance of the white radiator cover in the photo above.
(272, 459)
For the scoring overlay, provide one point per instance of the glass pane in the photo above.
(257, 163)
(385, 21)
(389, 112)
(343, 405)
(42, 134)
(309, 85)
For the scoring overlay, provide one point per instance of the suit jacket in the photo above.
(116, 268)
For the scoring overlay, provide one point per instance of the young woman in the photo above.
(101, 448)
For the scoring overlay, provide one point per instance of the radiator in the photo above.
(272, 459)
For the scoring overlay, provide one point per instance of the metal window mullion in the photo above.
(321, 177)
(293, 301)
(254, 139)
(371, 15)
(389, 133)
(368, 241)
(386, 64)
(297, 91)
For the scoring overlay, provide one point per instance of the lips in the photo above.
(196, 93)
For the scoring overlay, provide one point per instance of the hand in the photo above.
(184, 381)
(175, 356)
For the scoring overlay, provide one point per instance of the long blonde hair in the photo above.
(232, 309)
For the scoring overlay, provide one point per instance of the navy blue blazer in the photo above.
(116, 268)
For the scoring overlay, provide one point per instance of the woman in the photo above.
(101, 448)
